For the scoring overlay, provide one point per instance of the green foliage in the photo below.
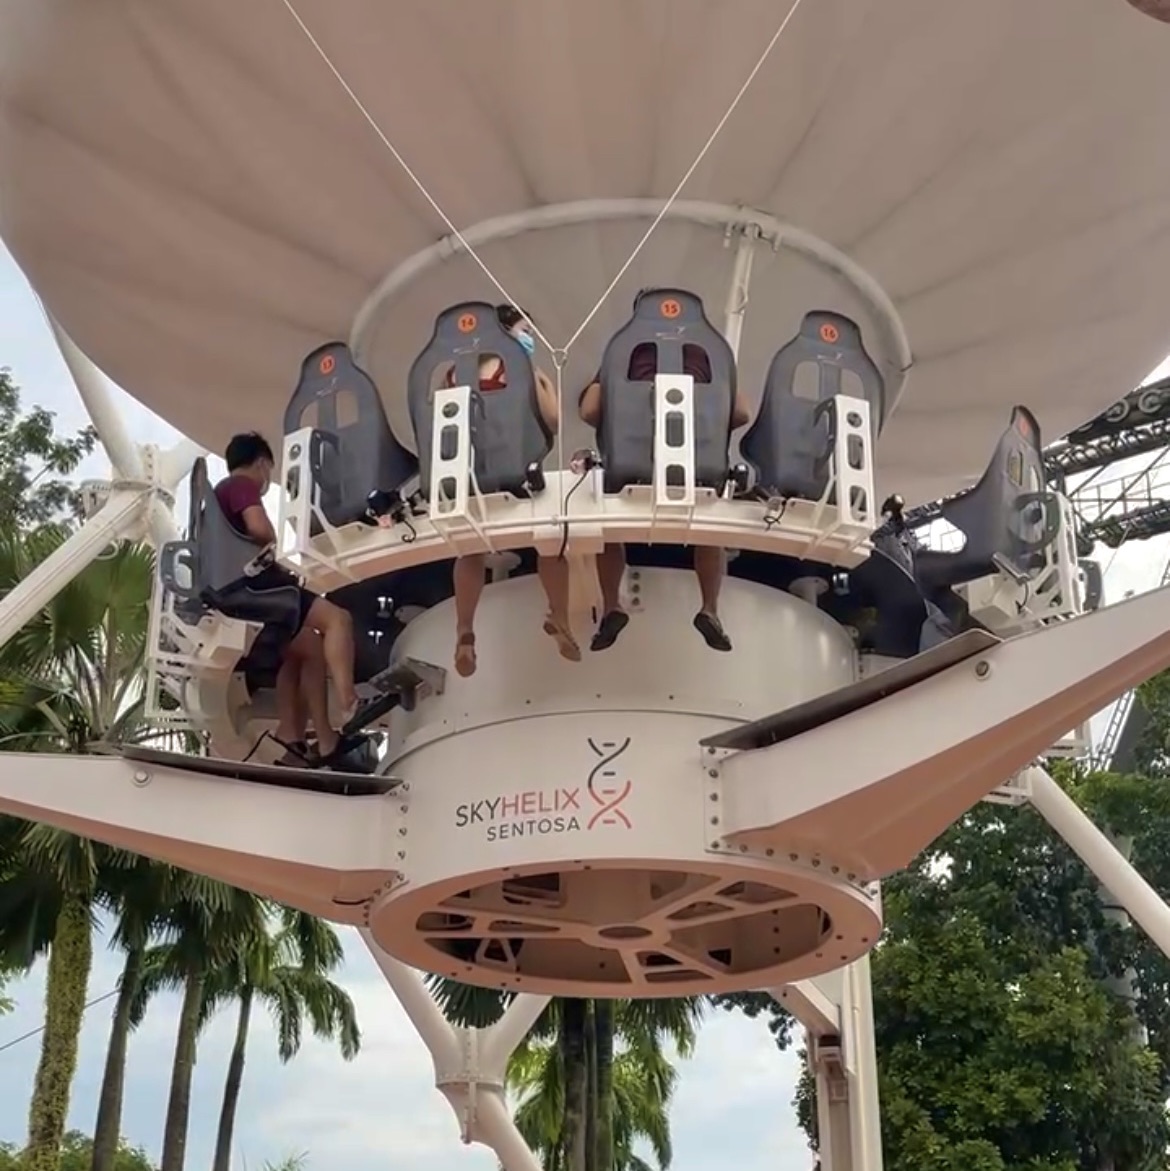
(77, 1154)
(297, 1162)
(1000, 1045)
(33, 460)
(638, 1087)
(594, 1080)
(1152, 751)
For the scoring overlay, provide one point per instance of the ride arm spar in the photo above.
(547, 402)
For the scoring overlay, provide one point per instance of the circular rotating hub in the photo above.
(629, 929)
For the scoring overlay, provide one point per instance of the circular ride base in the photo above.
(561, 827)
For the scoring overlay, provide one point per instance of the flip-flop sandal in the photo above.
(566, 643)
(712, 631)
(608, 630)
(465, 662)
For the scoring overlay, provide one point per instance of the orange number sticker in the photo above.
(467, 322)
(327, 364)
(670, 308)
(829, 333)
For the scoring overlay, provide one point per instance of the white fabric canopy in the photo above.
(200, 203)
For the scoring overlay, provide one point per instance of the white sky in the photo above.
(733, 1106)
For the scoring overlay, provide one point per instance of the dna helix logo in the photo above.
(603, 787)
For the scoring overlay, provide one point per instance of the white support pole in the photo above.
(470, 1064)
(499, 1041)
(741, 280)
(437, 1033)
(176, 462)
(1144, 904)
(836, 1009)
(493, 1126)
(865, 1106)
(94, 388)
(170, 468)
(117, 518)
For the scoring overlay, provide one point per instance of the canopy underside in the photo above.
(200, 203)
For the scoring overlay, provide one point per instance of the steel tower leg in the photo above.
(470, 1064)
(836, 1010)
(1146, 907)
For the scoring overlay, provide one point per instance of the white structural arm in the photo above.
(1147, 908)
(322, 853)
(95, 391)
(118, 517)
(872, 788)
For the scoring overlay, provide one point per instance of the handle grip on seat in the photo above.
(1050, 504)
(173, 556)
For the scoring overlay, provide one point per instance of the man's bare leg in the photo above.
(291, 718)
(611, 564)
(554, 577)
(336, 627)
(710, 569)
(468, 578)
(314, 690)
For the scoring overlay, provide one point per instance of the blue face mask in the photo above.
(528, 342)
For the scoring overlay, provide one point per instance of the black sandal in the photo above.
(712, 631)
(608, 630)
(297, 754)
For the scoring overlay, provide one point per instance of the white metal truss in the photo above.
(138, 506)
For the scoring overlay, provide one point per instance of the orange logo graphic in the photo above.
(467, 322)
(327, 364)
(670, 308)
(829, 333)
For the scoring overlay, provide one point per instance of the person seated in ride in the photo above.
(710, 563)
(323, 634)
(471, 570)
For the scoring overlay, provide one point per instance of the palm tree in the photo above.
(143, 898)
(69, 679)
(642, 1082)
(592, 1074)
(286, 969)
(200, 936)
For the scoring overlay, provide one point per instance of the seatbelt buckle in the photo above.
(263, 560)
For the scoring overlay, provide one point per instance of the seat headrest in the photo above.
(326, 373)
(670, 309)
(463, 333)
(833, 330)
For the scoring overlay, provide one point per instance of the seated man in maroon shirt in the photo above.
(324, 631)
(710, 563)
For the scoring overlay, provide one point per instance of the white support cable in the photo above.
(688, 172)
(406, 167)
(459, 236)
